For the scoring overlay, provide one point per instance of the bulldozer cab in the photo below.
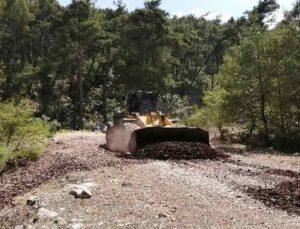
(142, 102)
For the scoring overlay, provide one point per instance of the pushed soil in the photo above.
(179, 151)
(285, 196)
(280, 172)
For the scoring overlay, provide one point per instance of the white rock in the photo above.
(88, 181)
(32, 200)
(88, 184)
(85, 184)
(76, 226)
(45, 214)
(60, 221)
(25, 226)
(75, 220)
(35, 201)
(81, 193)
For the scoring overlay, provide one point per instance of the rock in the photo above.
(60, 220)
(162, 215)
(75, 220)
(125, 184)
(88, 185)
(45, 215)
(297, 154)
(32, 200)
(76, 226)
(35, 201)
(88, 181)
(24, 226)
(81, 193)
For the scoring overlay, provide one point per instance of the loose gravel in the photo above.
(77, 154)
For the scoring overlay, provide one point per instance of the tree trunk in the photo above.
(263, 101)
(80, 91)
(281, 110)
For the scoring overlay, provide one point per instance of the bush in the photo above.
(174, 105)
(21, 135)
(212, 114)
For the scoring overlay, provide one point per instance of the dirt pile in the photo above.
(285, 196)
(178, 151)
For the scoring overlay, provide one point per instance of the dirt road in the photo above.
(154, 194)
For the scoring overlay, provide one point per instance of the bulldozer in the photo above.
(147, 126)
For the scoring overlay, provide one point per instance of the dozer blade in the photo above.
(150, 135)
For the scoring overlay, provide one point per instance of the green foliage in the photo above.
(4, 156)
(260, 77)
(175, 106)
(21, 135)
(144, 50)
(213, 114)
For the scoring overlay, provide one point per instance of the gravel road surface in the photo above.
(128, 193)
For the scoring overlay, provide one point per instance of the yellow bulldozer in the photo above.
(143, 124)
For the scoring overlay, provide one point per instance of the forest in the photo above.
(71, 68)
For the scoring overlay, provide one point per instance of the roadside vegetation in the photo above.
(257, 89)
(21, 135)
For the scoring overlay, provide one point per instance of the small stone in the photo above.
(162, 215)
(125, 184)
(45, 215)
(32, 200)
(297, 154)
(35, 202)
(173, 210)
(60, 221)
(19, 227)
(76, 226)
(24, 226)
(74, 220)
(81, 193)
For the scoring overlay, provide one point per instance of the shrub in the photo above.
(212, 114)
(21, 134)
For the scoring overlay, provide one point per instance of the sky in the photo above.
(223, 8)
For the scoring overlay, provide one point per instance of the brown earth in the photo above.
(179, 151)
(129, 193)
(285, 196)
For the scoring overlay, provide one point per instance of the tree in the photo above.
(262, 11)
(213, 114)
(259, 77)
(143, 48)
(15, 20)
